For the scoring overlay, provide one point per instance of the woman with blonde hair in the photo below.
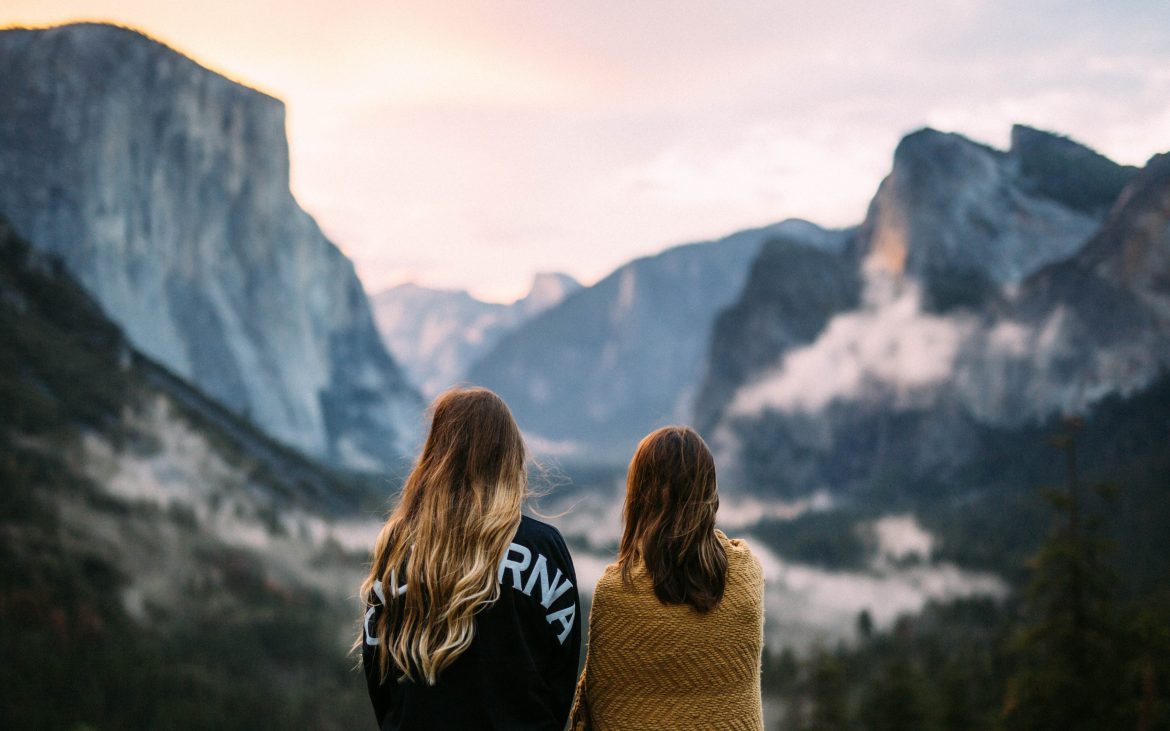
(471, 618)
(676, 629)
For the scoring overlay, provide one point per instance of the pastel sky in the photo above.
(470, 144)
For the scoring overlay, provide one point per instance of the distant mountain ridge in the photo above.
(587, 378)
(165, 189)
(437, 334)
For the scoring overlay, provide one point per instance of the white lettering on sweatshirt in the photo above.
(550, 589)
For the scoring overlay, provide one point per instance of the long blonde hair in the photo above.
(438, 554)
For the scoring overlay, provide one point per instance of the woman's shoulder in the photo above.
(737, 546)
(610, 584)
(611, 577)
(530, 526)
(740, 558)
(539, 534)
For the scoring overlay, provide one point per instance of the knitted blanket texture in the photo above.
(652, 666)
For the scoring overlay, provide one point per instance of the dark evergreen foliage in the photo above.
(251, 653)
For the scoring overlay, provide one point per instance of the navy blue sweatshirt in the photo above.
(521, 669)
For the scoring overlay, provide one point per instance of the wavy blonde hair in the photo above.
(438, 554)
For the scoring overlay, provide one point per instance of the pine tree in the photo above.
(1070, 672)
(894, 702)
(864, 625)
(957, 706)
(1150, 662)
(825, 691)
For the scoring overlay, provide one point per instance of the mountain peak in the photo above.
(961, 216)
(1026, 140)
(438, 333)
(548, 289)
(112, 46)
(553, 278)
(1061, 169)
(928, 149)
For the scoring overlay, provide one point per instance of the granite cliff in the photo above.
(965, 219)
(985, 291)
(164, 187)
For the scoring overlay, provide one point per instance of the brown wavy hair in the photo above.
(671, 500)
(438, 554)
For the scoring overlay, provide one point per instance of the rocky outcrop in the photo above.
(436, 334)
(1132, 250)
(993, 299)
(165, 189)
(964, 219)
(1099, 322)
(792, 292)
(1060, 169)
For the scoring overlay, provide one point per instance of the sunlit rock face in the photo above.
(436, 334)
(589, 377)
(986, 291)
(165, 189)
(965, 219)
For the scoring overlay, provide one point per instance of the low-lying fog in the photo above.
(806, 604)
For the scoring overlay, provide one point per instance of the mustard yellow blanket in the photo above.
(654, 666)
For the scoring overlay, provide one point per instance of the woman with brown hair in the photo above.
(471, 609)
(676, 629)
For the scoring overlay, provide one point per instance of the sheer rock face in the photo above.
(998, 290)
(165, 189)
(965, 219)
